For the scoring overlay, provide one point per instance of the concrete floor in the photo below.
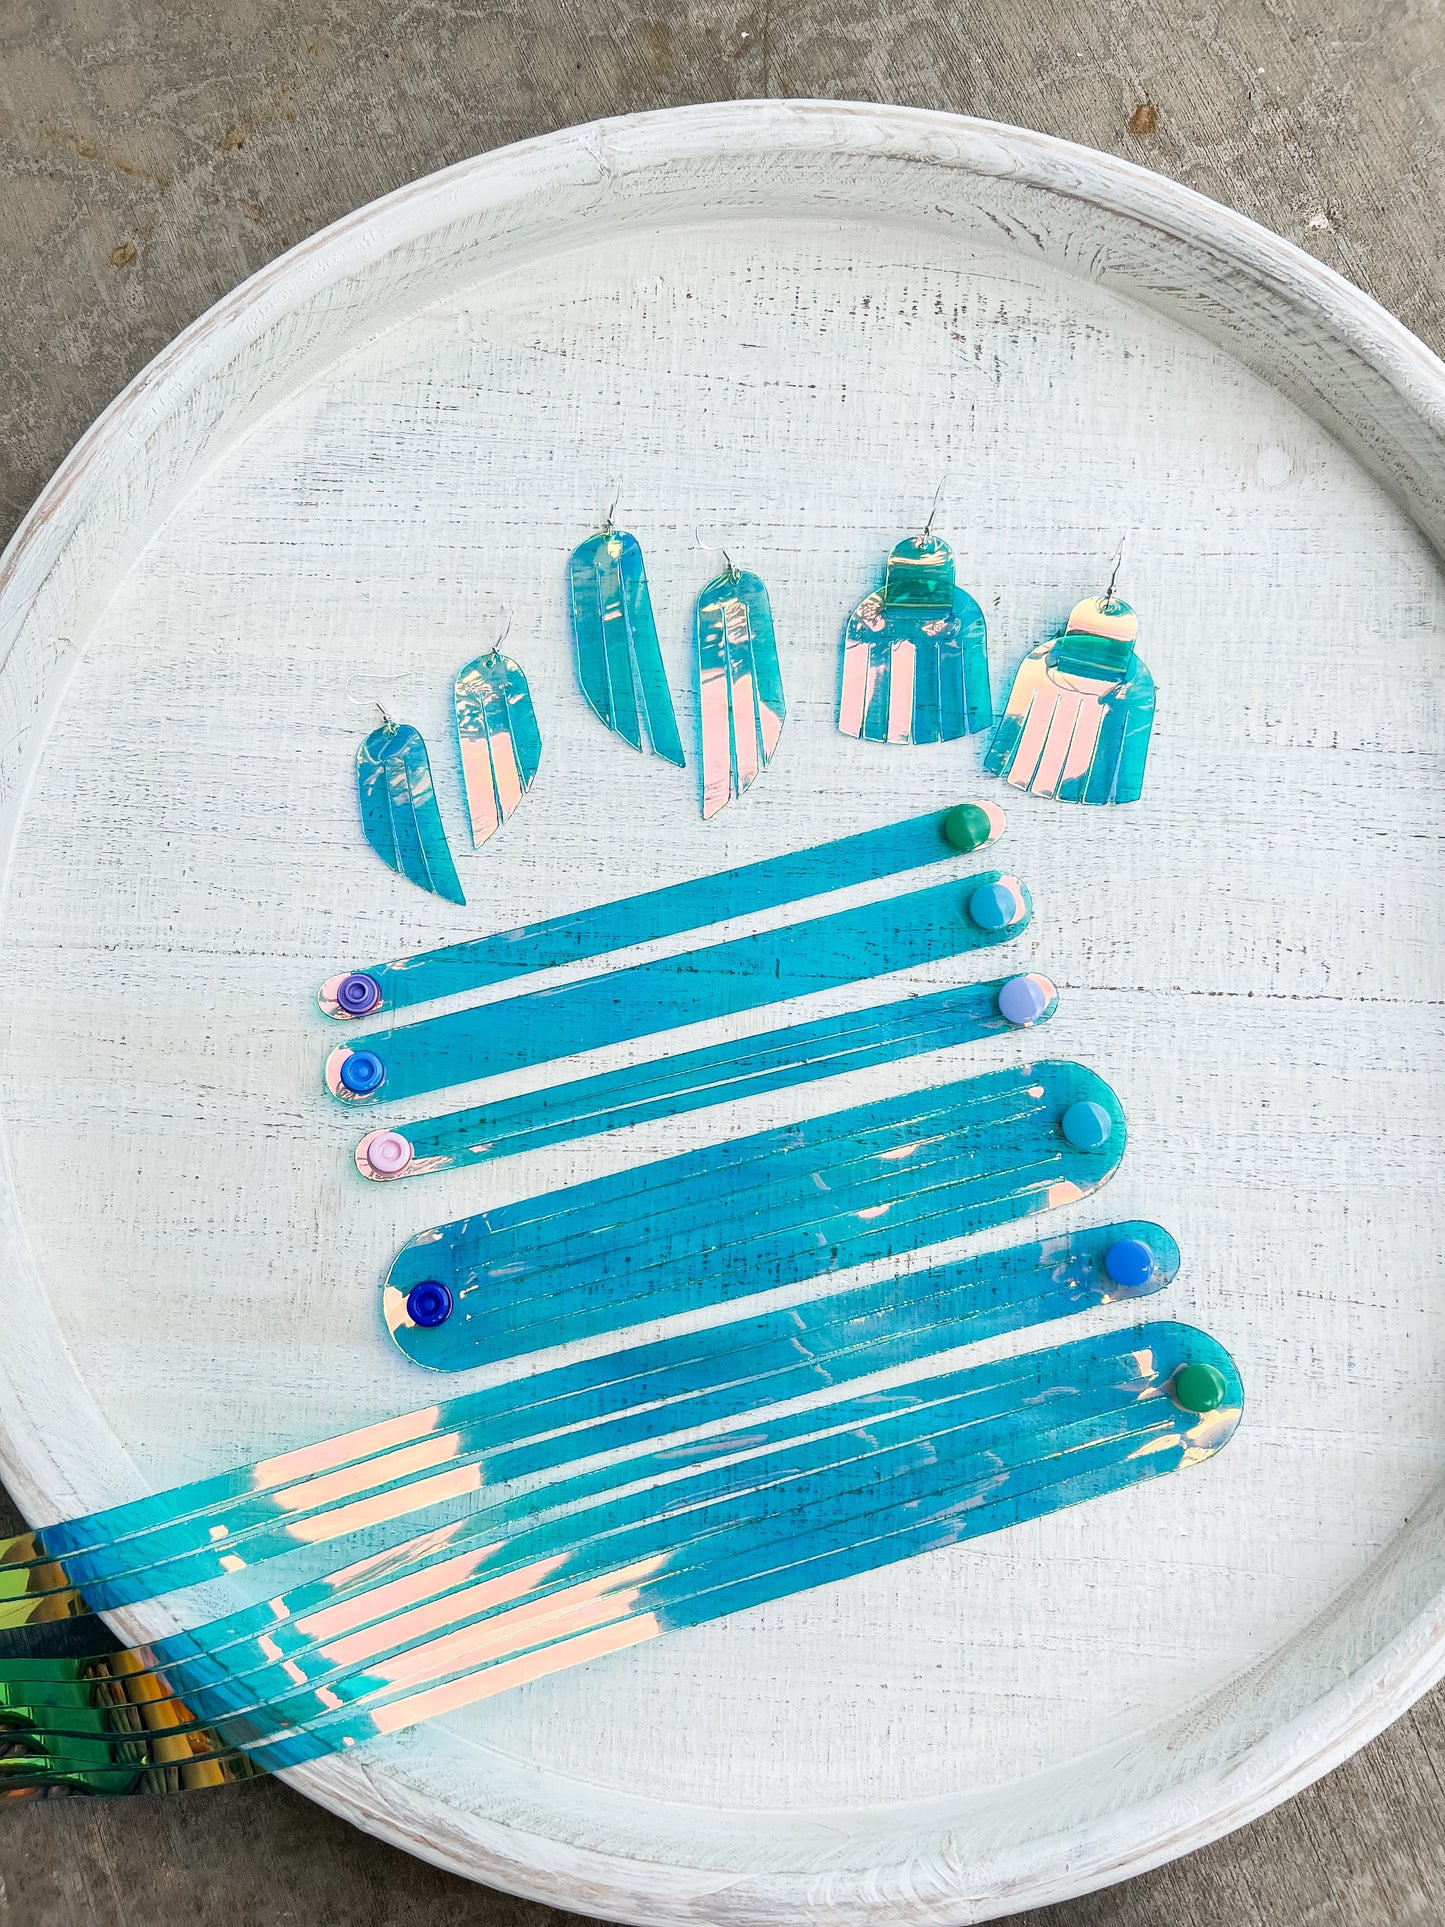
(155, 152)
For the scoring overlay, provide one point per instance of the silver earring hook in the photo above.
(733, 569)
(365, 702)
(607, 522)
(932, 513)
(496, 648)
(1114, 571)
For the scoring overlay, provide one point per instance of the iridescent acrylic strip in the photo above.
(719, 1074)
(1030, 1435)
(658, 1490)
(396, 1469)
(872, 940)
(739, 685)
(752, 1214)
(863, 858)
(619, 664)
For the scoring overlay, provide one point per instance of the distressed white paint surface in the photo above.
(1250, 956)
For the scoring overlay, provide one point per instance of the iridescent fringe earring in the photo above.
(497, 738)
(399, 814)
(1081, 709)
(915, 658)
(741, 707)
(619, 664)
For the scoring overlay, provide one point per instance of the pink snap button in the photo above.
(388, 1153)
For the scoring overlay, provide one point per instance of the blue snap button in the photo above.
(358, 994)
(1129, 1262)
(993, 907)
(1086, 1126)
(1022, 1000)
(362, 1072)
(429, 1303)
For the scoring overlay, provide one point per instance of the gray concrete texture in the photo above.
(155, 152)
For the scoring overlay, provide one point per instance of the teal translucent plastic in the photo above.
(1080, 712)
(750, 1215)
(619, 664)
(739, 685)
(459, 967)
(612, 1403)
(399, 814)
(915, 658)
(720, 1074)
(900, 933)
(497, 739)
(931, 1465)
(592, 1509)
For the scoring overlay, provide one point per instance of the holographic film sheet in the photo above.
(931, 1464)
(822, 953)
(864, 858)
(460, 1450)
(719, 1074)
(750, 1215)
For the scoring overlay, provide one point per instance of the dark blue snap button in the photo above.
(1129, 1262)
(362, 1072)
(358, 994)
(429, 1303)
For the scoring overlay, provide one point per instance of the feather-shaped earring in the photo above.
(399, 814)
(1081, 709)
(915, 660)
(619, 664)
(497, 737)
(741, 707)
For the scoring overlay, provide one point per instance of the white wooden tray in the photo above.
(786, 321)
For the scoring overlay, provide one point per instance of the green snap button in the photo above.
(970, 826)
(1198, 1388)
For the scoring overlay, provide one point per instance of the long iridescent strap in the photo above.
(567, 1519)
(701, 901)
(1053, 1429)
(822, 953)
(460, 1450)
(717, 1074)
(749, 1215)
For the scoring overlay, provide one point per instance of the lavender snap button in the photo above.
(388, 1153)
(1022, 1000)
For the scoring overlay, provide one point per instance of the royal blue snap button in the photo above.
(1129, 1262)
(358, 994)
(993, 907)
(429, 1303)
(1022, 1000)
(1086, 1126)
(362, 1072)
